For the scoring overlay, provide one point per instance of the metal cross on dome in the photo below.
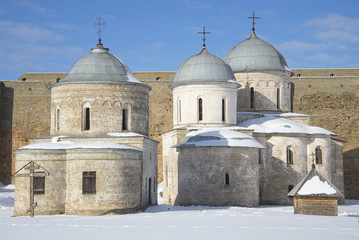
(204, 35)
(254, 17)
(99, 23)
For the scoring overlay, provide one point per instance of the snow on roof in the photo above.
(128, 134)
(316, 186)
(249, 113)
(271, 124)
(218, 137)
(65, 145)
(289, 114)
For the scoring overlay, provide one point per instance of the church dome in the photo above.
(255, 54)
(99, 66)
(203, 67)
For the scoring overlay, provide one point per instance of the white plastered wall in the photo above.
(185, 106)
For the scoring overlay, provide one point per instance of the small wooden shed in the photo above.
(315, 195)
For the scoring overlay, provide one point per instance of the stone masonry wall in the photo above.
(25, 113)
(331, 100)
(333, 103)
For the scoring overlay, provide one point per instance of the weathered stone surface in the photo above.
(204, 168)
(105, 101)
(332, 102)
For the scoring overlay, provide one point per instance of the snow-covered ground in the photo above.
(165, 222)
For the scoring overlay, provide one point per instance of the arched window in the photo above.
(278, 98)
(289, 155)
(318, 155)
(87, 119)
(124, 119)
(58, 120)
(252, 98)
(226, 179)
(179, 111)
(200, 109)
(290, 187)
(223, 110)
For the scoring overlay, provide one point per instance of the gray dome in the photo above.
(255, 54)
(203, 67)
(99, 66)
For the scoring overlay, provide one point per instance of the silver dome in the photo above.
(255, 54)
(203, 67)
(99, 66)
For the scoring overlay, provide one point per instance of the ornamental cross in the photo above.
(99, 23)
(204, 35)
(313, 165)
(254, 17)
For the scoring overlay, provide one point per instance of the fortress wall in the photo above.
(160, 105)
(25, 113)
(332, 102)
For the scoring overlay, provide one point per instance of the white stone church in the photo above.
(235, 141)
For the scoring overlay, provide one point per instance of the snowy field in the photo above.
(164, 222)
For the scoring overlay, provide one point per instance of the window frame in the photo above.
(89, 182)
(39, 185)
(227, 180)
(223, 110)
(251, 98)
(87, 119)
(290, 156)
(200, 109)
(124, 119)
(318, 155)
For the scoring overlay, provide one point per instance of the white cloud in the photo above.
(337, 35)
(34, 6)
(335, 28)
(321, 57)
(33, 57)
(297, 46)
(27, 33)
(334, 21)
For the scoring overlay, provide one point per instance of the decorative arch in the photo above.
(252, 84)
(243, 85)
(272, 84)
(117, 104)
(262, 83)
(73, 103)
(96, 103)
(106, 103)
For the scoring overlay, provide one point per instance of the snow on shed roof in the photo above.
(314, 184)
(272, 124)
(218, 137)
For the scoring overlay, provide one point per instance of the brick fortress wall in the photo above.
(331, 100)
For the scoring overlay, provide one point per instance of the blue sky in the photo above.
(158, 35)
